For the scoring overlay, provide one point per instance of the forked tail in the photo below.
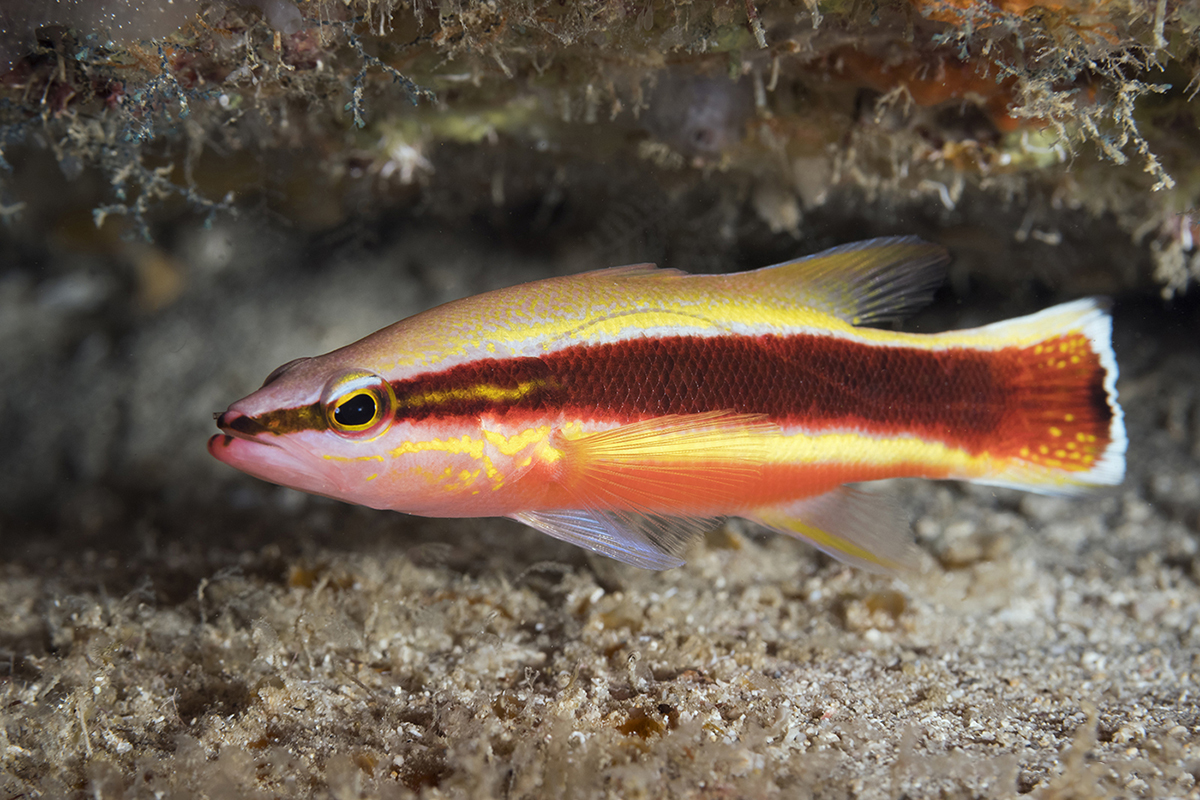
(1065, 431)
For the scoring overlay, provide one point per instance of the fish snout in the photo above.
(239, 425)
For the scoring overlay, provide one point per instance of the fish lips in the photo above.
(246, 445)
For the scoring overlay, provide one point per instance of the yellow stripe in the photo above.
(462, 444)
(548, 315)
(511, 445)
(481, 391)
(871, 451)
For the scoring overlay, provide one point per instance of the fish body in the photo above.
(628, 409)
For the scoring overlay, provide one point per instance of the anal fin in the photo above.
(860, 528)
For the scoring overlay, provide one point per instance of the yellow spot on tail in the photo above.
(1055, 432)
(1069, 418)
(1024, 452)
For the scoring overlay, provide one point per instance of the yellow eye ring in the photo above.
(359, 405)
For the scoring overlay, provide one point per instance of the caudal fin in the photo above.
(1065, 432)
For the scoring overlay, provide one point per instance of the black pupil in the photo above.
(358, 410)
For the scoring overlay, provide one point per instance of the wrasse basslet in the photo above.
(627, 410)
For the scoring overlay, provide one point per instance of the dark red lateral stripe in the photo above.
(966, 398)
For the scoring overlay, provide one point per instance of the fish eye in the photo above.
(356, 410)
(359, 405)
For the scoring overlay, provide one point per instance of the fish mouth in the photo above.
(245, 444)
(235, 445)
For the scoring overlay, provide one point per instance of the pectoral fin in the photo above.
(641, 493)
(863, 529)
(667, 465)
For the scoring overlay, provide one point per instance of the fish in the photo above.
(628, 410)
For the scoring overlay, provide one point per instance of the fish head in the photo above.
(317, 425)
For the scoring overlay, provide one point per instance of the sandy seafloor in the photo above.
(171, 629)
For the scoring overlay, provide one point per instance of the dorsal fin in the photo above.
(864, 283)
(645, 270)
